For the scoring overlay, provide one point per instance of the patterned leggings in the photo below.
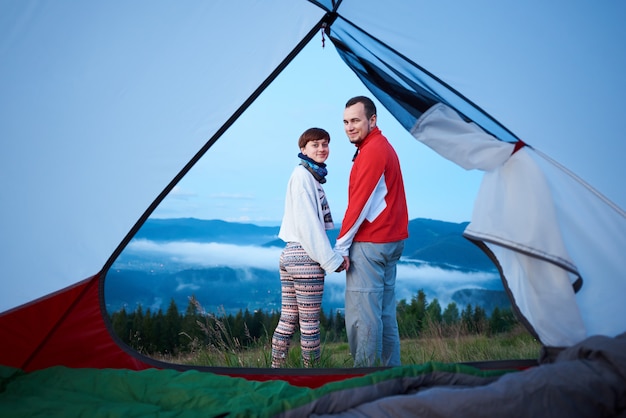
(302, 282)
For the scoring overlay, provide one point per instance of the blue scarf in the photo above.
(317, 169)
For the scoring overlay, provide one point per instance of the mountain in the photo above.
(485, 298)
(159, 266)
(200, 230)
(217, 289)
(442, 243)
(436, 242)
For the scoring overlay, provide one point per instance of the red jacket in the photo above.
(377, 210)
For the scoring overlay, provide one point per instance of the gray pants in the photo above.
(371, 304)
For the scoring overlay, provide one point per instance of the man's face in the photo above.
(356, 124)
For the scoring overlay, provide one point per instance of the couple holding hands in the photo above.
(368, 247)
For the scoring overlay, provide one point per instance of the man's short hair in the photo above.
(368, 104)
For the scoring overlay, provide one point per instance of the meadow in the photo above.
(428, 334)
(435, 344)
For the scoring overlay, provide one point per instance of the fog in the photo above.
(412, 275)
(211, 254)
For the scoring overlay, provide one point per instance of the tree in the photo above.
(501, 321)
(136, 330)
(467, 318)
(119, 322)
(172, 328)
(451, 314)
(433, 312)
(191, 333)
(340, 324)
(256, 325)
(147, 329)
(325, 322)
(416, 312)
(479, 319)
(158, 326)
(405, 327)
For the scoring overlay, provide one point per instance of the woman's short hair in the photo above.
(312, 134)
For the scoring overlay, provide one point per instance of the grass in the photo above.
(514, 345)
(434, 345)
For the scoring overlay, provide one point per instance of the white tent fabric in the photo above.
(532, 214)
(90, 146)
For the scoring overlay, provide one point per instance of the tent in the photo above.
(78, 185)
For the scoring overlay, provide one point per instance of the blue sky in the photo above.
(243, 177)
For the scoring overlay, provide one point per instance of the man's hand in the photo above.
(344, 266)
(346, 262)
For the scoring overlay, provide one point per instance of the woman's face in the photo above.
(317, 150)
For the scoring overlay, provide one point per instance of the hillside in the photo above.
(233, 266)
(199, 230)
(436, 242)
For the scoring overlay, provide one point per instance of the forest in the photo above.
(174, 332)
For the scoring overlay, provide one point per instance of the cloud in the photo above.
(435, 282)
(157, 303)
(410, 279)
(211, 254)
(186, 286)
(439, 283)
(178, 193)
(334, 293)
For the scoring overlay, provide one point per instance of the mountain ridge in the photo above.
(433, 241)
(145, 275)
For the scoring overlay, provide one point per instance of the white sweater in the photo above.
(303, 220)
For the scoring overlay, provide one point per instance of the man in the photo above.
(371, 239)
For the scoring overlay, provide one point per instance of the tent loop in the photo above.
(518, 146)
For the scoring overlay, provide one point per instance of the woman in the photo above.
(308, 254)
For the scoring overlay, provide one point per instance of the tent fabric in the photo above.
(77, 186)
(529, 211)
(531, 234)
(588, 379)
(405, 88)
(65, 328)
